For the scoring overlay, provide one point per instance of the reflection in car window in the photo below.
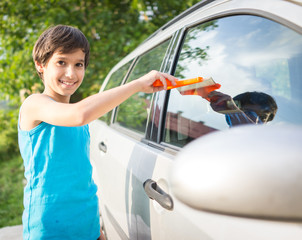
(256, 61)
(114, 81)
(134, 111)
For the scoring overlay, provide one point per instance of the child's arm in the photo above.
(40, 108)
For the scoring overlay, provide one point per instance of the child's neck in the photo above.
(57, 97)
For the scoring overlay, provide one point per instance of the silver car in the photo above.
(220, 159)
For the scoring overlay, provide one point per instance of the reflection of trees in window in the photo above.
(150, 61)
(190, 53)
(114, 81)
(133, 112)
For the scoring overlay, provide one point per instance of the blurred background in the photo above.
(113, 28)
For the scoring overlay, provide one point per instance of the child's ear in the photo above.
(39, 67)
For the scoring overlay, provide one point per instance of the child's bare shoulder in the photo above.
(34, 100)
(29, 109)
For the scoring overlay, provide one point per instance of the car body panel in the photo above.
(132, 158)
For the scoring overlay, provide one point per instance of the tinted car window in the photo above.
(133, 112)
(257, 63)
(114, 81)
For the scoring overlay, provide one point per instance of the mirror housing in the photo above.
(251, 171)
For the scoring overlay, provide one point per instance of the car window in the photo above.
(114, 81)
(134, 111)
(252, 71)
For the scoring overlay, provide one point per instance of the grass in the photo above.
(11, 191)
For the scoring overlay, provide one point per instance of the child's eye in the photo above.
(80, 65)
(61, 63)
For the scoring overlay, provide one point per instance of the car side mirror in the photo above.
(251, 171)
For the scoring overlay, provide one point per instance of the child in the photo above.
(60, 199)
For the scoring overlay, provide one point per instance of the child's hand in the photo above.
(147, 81)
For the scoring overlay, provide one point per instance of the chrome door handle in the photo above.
(154, 192)
(103, 147)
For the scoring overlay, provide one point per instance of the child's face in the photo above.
(63, 74)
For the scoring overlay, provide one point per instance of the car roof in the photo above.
(286, 12)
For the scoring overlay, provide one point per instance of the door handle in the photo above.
(103, 147)
(154, 192)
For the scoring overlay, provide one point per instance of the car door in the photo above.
(257, 62)
(117, 151)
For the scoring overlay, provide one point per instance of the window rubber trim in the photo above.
(163, 113)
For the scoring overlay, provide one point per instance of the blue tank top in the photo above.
(60, 200)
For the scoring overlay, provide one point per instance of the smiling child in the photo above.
(60, 200)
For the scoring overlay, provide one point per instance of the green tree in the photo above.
(112, 27)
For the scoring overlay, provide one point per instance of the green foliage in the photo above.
(115, 80)
(133, 113)
(112, 27)
(189, 53)
(11, 192)
(8, 134)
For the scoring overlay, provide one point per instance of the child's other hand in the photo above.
(146, 81)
